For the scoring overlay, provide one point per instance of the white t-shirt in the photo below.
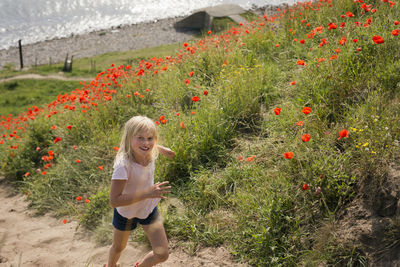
(138, 178)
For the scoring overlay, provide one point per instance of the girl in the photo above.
(133, 194)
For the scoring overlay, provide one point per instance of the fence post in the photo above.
(21, 61)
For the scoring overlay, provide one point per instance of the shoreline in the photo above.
(116, 39)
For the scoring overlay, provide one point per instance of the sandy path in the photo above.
(27, 240)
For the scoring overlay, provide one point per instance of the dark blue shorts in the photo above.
(124, 224)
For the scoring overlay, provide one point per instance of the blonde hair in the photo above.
(133, 127)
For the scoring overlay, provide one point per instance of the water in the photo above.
(38, 20)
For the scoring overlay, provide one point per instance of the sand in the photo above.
(28, 240)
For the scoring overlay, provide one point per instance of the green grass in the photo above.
(19, 95)
(89, 67)
(231, 184)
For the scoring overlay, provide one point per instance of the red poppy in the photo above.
(249, 159)
(305, 187)
(305, 137)
(87, 200)
(78, 161)
(53, 127)
(128, 96)
(343, 133)
(333, 57)
(240, 158)
(64, 221)
(205, 92)
(396, 22)
(292, 83)
(195, 98)
(332, 26)
(277, 111)
(75, 147)
(349, 14)
(395, 32)
(209, 32)
(162, 118)
(288, 155)
(301, 62)
(187, 81)
(44, 173)
(38, 149)
(300, 123)
(27, 174)
(277, 45)
(116, 148)
(101, 167)
(69, 127)
(182, 124)
(58, 139)
(79, 198)
(378, 39)
(191, 73)
(355, 40)
(306, 110)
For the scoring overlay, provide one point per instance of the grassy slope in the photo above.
(232, 185)
(19, 95)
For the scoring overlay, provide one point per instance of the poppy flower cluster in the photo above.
(106, 84)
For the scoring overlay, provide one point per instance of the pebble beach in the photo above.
(116, 39)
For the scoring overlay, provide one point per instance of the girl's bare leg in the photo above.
(158, 239)
(120, 239)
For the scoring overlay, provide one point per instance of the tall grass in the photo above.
(232, 186)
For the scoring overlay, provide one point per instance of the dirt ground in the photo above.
(28, 240)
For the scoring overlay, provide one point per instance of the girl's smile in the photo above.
(142, 144)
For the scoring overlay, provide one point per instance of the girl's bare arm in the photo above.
(117, 199)
(166, 151)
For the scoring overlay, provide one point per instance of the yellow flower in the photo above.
(353, 129)
(373, 152)
(365, 144)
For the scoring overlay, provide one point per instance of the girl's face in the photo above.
(142, 144)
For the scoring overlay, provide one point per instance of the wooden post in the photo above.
(21, 61)
(70, 66)
(65, 63)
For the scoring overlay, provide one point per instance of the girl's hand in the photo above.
(166, 152)
(159, 189)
